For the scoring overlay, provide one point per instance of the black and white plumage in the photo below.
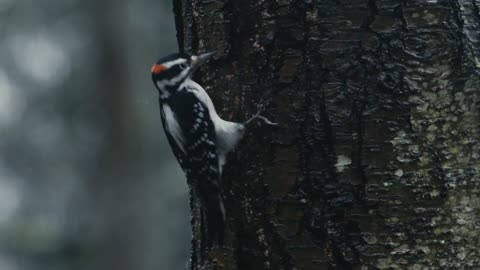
(199, 138)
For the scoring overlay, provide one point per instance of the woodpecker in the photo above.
(199, 138)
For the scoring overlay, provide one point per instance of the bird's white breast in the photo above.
(228, 133)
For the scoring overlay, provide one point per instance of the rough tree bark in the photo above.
(375, 164)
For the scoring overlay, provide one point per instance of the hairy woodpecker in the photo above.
(199, 138)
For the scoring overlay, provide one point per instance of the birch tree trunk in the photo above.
(375, 163)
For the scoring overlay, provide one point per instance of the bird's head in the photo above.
(172, 70)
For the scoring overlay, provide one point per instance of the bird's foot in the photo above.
(263, 118)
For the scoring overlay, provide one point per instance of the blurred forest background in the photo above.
(87, 180)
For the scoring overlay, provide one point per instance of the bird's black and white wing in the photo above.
(193, 139)
(191, 134)
(176, 144)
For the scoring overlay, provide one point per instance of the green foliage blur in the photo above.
(87, 180)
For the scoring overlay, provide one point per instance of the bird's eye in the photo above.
(183, 65)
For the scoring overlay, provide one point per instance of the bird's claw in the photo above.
(263, 118)
(266, 120)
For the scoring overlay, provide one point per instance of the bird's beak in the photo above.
(202, 58)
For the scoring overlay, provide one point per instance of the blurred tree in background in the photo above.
(86, 179)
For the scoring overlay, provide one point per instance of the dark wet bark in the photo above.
(376, 161)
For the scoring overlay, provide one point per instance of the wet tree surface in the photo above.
(375, 162)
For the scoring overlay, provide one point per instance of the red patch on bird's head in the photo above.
(157, 68)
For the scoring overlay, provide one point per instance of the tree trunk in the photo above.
(375, 163)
